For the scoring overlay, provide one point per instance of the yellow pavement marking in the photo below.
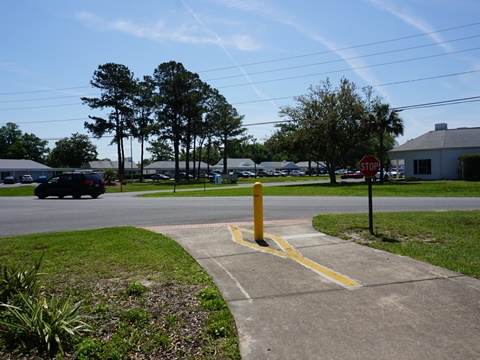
(291, 253)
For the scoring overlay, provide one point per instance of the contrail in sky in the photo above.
(220, 43)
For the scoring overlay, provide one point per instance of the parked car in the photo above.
(248, 174)
(296, 173)
(239, 174)
(212, 174)
(75, 184)
(352, 175)
(377, 176)
(393, 172)
(42, 179)
(9, 180)
(160, 177)
(26, 179)
(263, 174)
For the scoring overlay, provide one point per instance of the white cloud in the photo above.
(272, 12)
(221, 44)
(11, 66)
(406, 16)
(163, 31)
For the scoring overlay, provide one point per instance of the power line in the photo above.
(309, 75)
(279, 59)
(341, 60)
(399, 108)
(348, 69)
(259, 72)
(42, 91)
(276, 98)
(39, 107)
(373, 86)
(50, 98)
(48, 121)
(439, 103)
(343, 49)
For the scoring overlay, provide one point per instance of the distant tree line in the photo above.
(14, 144)
(71, 152)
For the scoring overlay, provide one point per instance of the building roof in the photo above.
(237, 163)
(14, 164)
(443, 139)
(287, 165)
(107, 164)
(170, 165)
(304, 164)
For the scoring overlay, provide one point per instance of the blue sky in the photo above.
(257, 53)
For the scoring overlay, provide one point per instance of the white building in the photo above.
(16, 168)
(435, 155)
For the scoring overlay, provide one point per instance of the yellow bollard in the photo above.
(258, 211)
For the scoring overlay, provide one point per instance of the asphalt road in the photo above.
(27, 215)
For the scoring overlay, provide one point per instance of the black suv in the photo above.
(76, 184)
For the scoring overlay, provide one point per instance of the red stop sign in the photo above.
(369, 166)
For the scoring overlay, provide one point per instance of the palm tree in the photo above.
(384, 120)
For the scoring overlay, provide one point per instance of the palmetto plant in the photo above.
(32, 320)
(18, 280)
(44, 323)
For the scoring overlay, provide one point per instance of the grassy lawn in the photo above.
(146, 296)
(416, 189)
(450, 239)
(320, 188)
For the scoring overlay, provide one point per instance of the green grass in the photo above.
(415, 189)
(320, 188)
(144, 291)
(450, 239)
(168, 185)
(5, 190)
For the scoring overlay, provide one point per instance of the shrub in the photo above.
(470, 165)
(18, 281)
(31, 321)
(44, 323)
(109, 175)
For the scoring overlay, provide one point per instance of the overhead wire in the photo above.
(343, 49)
(296, 57)
(441, 103)
(344, 59)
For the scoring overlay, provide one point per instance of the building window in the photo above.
(422, 167)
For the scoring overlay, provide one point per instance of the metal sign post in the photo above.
(370, 206)
(369, 166)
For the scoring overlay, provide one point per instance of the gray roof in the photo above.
(107, 164)
(14, 164)
(237, 163)
(170, 165)
(443, 139)
(304, 164)
(279, 165)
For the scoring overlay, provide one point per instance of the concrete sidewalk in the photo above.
(334, 299)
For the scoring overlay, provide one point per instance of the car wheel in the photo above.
(41, 195)
(61, 196)
(76, 195)
(94, 196)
